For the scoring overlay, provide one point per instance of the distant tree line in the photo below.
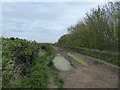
(98, 30)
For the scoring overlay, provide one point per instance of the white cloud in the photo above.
(57, 0)
(43, 22)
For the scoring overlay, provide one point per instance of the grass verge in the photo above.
(59, 82)
(42, 70)
(23, 66)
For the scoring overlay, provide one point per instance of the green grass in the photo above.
(40, 76)
(56, 79)
(78, 59)
(42, 71)
(59, 82)
(26, 52)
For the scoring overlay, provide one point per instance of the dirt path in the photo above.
(91, 76)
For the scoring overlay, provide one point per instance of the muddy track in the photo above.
(100, 75)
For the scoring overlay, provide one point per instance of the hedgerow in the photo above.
(18, 56)
(23, 66)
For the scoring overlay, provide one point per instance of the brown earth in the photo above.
(101, 75)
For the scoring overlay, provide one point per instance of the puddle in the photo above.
(58, 54)
(61, 63)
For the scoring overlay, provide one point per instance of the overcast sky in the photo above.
(42, 21)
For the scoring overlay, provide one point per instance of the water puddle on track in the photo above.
(61, 63)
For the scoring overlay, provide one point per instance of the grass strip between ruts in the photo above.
(78, 59)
